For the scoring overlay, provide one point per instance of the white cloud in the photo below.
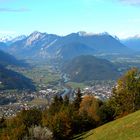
(14, 10)
(132, 2)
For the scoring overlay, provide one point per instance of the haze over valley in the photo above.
(69, 67)
(42, 65)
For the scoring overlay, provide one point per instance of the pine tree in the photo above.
(78, 99)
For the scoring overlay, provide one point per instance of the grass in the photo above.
(38, 101)
(126, 128)
(76, 85)
(40, 75)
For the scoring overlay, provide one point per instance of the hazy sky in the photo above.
(117, 17)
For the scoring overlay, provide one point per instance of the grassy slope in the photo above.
(126, 128)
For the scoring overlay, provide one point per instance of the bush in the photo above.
(31, 117)
(40, 133)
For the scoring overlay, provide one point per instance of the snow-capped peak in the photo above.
(35, 36)
(18, 38)
(6, 38)
(83, 33)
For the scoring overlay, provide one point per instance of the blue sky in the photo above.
(117, 17)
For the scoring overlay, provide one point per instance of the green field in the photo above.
(126, 128)
(76, 85)
(38, 101)
(40, 75)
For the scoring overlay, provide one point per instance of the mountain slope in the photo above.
(13, 80)
(87, 68)
(7, 59)
(10, 79)
(72, 50)
(126, 128)
(3, 46)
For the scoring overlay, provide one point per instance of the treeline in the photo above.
(65, 118)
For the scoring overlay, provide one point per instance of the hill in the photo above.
(87, 68)
(126, 128)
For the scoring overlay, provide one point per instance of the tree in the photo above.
(66, 100)
(31, 117)
(55, 105)
(106, 113)
(89, 108)
(78, 99)
(2, 122)
(126, 95)
(61, 124)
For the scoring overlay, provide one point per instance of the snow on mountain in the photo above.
(34, 37)
(18, 38)
(11, 39)
(49, 45)
(5, 38)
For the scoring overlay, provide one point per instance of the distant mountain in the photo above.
(87, 68)
(101, 43)
(10, 39)
(34, 46)
(18, 38)
(42, 45)
(132, 43)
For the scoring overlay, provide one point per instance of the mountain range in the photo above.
(42, 45)
(76, 49)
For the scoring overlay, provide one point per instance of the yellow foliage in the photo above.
(89, 105)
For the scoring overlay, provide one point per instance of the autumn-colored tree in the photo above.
(89, 106)
(14, 130)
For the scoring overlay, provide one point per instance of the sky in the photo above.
(117, 17)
